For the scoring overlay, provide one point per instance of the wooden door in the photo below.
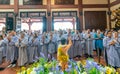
(95, 20)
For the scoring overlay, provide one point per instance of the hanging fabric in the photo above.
(9, 23)
(44, 24)
(77, 23)
(52, 23)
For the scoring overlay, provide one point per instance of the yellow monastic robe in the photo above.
(62, 55)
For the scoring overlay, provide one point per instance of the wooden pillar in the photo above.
(49, 18)
(80, 8)
(16, 6)
(16, 11)
(109, 14)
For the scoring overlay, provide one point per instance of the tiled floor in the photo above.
(8, 71)
(13, 70)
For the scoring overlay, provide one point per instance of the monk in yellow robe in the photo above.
(62, 55)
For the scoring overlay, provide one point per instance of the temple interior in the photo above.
(59, 36)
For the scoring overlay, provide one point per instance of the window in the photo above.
(1, 26)
(24, 26)
(37, 26)
(63, 25)
(5, 2)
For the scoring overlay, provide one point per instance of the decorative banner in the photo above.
(32, 14)
(23, 14)
(6, 14)
(64, 2)
(32, 2)
(64, 13)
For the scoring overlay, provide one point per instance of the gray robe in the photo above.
(1, 50)
(93, 33)
(23, 58)
(77, 46)
(117, 46)
(113, 57)
(15, 39)
(35, 44)
(29, 51)
(39, 46)
(5, 47)
(83, 45)
(106, 41)
(58, 38)
(10, 52)
(33, 50)
(71, 50)
(89, 45)
(55, 39)
(44, 47)
(119, 35)
(51, 46)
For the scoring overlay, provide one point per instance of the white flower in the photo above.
(50, 72)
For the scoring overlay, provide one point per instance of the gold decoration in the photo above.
(116, 17)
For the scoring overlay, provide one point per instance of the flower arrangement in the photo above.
(52, 67)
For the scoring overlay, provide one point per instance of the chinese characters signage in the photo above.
(64, 13)
(32, 14)
(32, 2)
(6, 14)
(63, 2)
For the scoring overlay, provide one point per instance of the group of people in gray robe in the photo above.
(26, 47)
(111, 43)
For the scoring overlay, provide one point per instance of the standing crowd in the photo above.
(26, 47)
